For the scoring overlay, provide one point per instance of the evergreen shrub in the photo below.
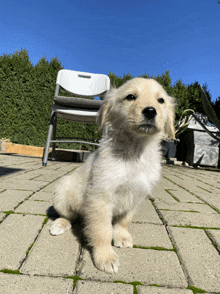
(26, 97)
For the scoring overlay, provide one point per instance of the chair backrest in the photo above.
(82, 83)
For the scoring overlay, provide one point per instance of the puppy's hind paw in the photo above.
(60, 226)
(123, 242)
(122, 238)
(106, 260)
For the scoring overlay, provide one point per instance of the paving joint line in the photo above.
(32, 245)
(180, 259)
(199, 180)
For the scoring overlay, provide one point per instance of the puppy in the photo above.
(108, 187)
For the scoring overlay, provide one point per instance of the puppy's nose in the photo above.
(149, 112)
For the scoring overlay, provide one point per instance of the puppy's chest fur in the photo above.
(127, 182)
(138, 181)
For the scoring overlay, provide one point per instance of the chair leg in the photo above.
(46, 150)
(54, 138)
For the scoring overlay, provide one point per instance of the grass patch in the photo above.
(153, 248)
(175, 250)
(9, 212)
(7, 271)
(174, 197)
(75, 279)
(194, 227)
(193, 211)
(155, 285)
(45, 221)
(27, 252)
(134, 284)
(120, 282)
(196, 290)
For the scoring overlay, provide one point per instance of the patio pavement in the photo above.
(176, 235)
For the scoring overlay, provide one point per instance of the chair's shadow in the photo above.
(4, 171)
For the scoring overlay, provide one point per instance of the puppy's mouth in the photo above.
(147, 128)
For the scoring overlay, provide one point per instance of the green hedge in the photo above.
(26, 96)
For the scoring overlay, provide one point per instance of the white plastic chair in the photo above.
(74, 109)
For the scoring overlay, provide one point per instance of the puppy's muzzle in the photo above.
(148, 124)
(149, 112)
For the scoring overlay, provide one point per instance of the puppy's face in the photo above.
(141, 106)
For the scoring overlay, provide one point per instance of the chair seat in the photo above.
(78, 102)
(76, 114)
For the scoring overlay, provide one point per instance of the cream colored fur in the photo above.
(108, 187)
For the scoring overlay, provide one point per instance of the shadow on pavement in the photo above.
(7, 170)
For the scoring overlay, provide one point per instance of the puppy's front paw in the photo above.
(59, 226)
(105, 259)
(122, 238)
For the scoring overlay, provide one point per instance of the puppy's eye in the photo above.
(161, 100)
(130, 97)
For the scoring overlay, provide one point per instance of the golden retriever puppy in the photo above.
(108, 187)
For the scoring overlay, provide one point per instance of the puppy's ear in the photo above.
(105, 110)
(103, 115)
(169, 124)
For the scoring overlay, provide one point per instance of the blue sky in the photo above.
(119, 36)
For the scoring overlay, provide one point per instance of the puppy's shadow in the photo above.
(77, 226)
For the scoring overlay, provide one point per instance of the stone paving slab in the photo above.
(33, 207)
(197, 190)
(161, 290)
(215, 237)
(166, 184)
(192, 219)
(200, 259)
(184, 196)
(206, 187)
(84, 287)
(28, 185)
(42, 196)
(147, 266)
(212, 200)
(44, 260)
(50, 187)
(17, 233)
(146, 213)
(66, 168)
(149, 235)
(22, 284)
(194, 183)
(9, 199)
(203, 208)
(40, 175)
(162, 195)
(52, 255)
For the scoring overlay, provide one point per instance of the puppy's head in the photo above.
(141, 106)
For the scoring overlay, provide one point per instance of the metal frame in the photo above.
(68, 111)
